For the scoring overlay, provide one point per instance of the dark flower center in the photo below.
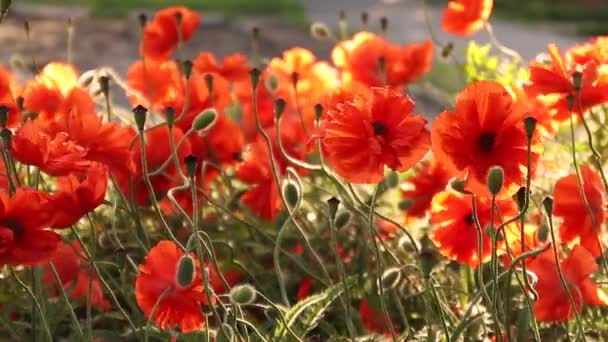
(469, 219)
(486, 142)
(237, 156)
(13, 224)
(379, 128)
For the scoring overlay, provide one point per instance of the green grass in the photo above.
(288, 9)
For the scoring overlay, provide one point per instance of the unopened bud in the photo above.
(390, 278)
(143, 19)
(243, 294)
(495, 179)
(320, 31)
(255, 77)
(530, 126)
(391, 180)
(406, 204)
(542, 233)
(191, 163)
(570, 102)
(279, 107)
(427, 261)
(187, 68)
(139, 114)
(342, 219)
(318, 111)
(186, 271)
(577, 80)
(333, 204)
(205, 119)
(364, 18)
(548, 205)
(104, 85)
(459, 186)
(209, 83)
(520, 197)
(170, 116)
(272, 83)
(384, 24)
(291, 192)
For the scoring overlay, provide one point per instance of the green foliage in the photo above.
(481, 64)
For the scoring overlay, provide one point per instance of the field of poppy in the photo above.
(288, 198)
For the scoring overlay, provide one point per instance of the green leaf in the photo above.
(305, 315)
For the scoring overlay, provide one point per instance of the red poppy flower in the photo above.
(155, 84)
(304, 289)
(595, 50)
(430, 179)
(233, 67)
(548, 120)
(158, 152)
(455, 233)
(24, 237)
(557, 78)
(513, 241)
(360, 60)
(157, 286)
(222, 144)
(166, 30)
(577, 226)
(553, 304)
(465, 17)
(74, 270)
(485, 129)
(78, 194)
(373, 319)
(373, 129)
(8, 93)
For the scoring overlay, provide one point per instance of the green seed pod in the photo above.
(186, 271)
(243, 294)
(205, 119)
(495, 179)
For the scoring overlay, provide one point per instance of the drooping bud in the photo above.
(390, 278)
(205, 120)
(4, 110)
(333, 204)
(139, 114)
(320, 31)
(243, 294)
(530, 126)
(191, 163)
(170, 116)
(186, 271)
(187, 68)
(279, 107)
(459, 186)
(548, 205)
(291, 192)
(495, 179)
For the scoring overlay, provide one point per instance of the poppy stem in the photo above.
(65, 298)
(36, 303)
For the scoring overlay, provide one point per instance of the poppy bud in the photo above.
(318, 111)
(405, 204)
(543, 233)
(187, 68)
(390, 278)
(170, 116)
(225, 334)
(185, 271)
(495, 179)
(447, 50)
(191, 163)
(570, 102)
(209, 83)
(391, 180)
(243, 294)
(6, 136)
(530, 126)
(295, 77)
(384, 24)
(320, 31)
(178, 18)
(143, 19)
(104, 85)
(342, 219)
(279, 107)
(255, 77)
(139, 113)
(333, 204)
(520, 197)
(3, 115)
(20, 101)
(364, 18)
(577, 80)
(548, 205)
(427, 261)
(458, 185)
(291, 192)
(272, 83)
(205, 119)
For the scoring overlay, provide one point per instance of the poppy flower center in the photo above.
(486, 142)
(469, 219)
(13, 224)
(379, 128)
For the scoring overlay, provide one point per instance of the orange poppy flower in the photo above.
(595, 50)
(485, 129)
(557, 78)
(430, 179)
(162, 34)
(465, 17)
(155, 84)
(74, 270)
(158, 151)
(157, 286)
(577, 226)
(360, 60)
(262, 197)
(24, 237)
(455, 233)
(548, 120)
(78, 194)
(56, 156)
(234, 67)
(375, 128)
(553, 304)
(8, 93)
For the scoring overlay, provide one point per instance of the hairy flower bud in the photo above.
(496, 177)
(186, 271)
(243, 294)
(205, 119)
